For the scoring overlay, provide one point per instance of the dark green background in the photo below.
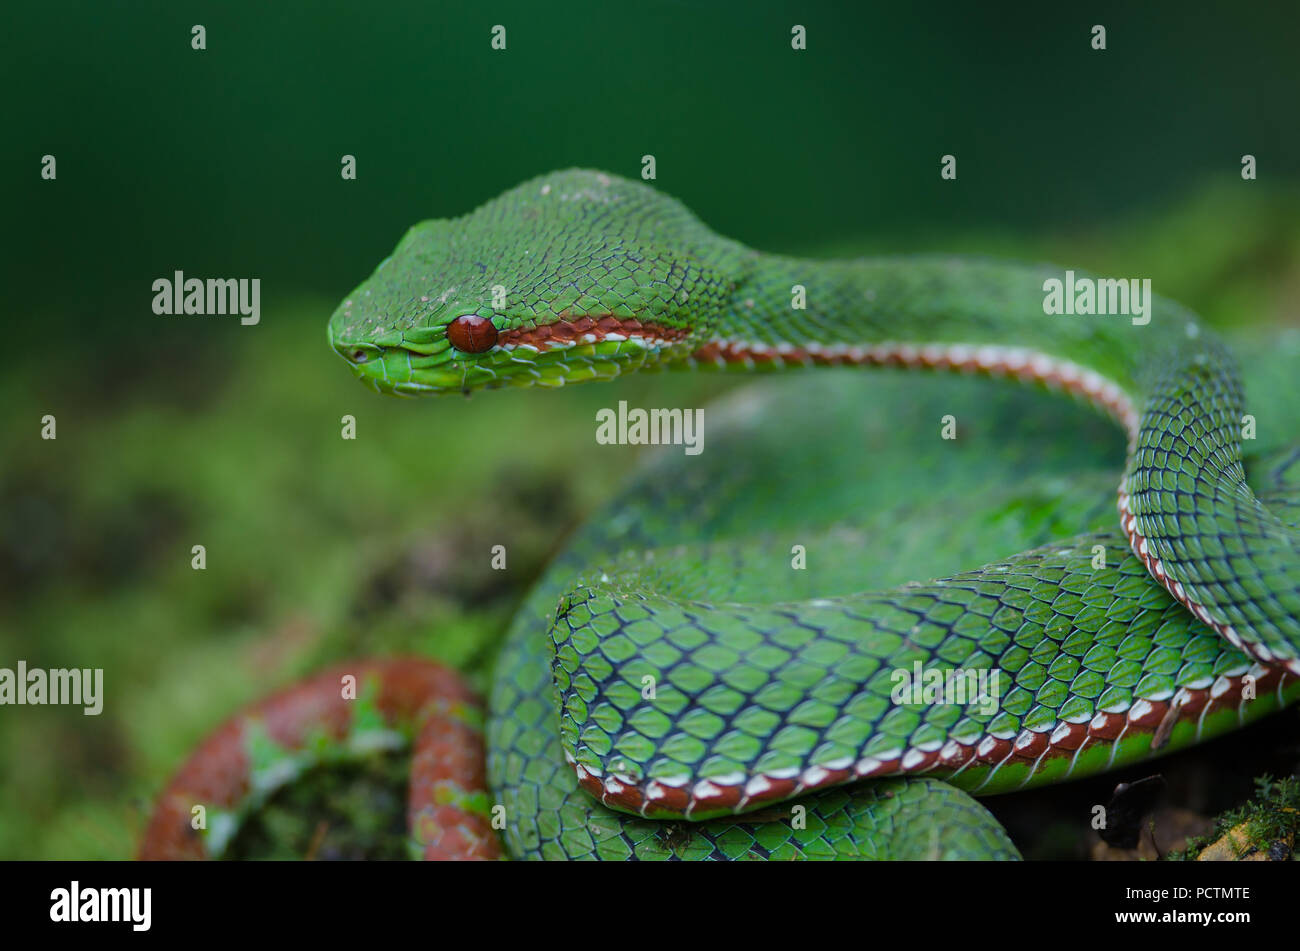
(225, 163)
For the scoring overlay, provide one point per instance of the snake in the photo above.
(731, 659)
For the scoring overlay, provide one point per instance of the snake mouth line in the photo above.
(571, 331)
(711, 798)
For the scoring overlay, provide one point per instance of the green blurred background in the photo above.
(181, 431)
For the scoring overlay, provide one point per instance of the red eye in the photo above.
(472, 334)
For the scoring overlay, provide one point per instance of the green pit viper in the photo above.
(709, 669)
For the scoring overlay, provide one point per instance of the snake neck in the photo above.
(937, 313)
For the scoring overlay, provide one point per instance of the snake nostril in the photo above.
(359, 356)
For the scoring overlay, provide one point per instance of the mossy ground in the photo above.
(1263, 828)
(349, 812)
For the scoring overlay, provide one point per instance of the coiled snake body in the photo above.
(676, 686)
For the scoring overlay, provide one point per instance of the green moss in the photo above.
(354, 810)
(1267, 825)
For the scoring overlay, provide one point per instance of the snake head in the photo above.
(570, 277)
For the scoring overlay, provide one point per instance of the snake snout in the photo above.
(360, 356)
(356, 353)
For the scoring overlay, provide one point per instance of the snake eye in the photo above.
(470, 333)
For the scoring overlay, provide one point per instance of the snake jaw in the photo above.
(527, 356)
